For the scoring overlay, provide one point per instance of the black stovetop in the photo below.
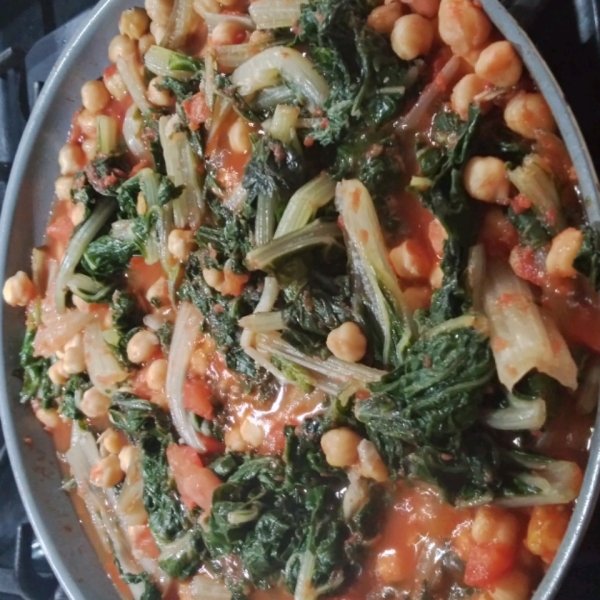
(566, 31)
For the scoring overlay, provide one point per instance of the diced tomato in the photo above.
(195, 483)
(143, 541)
(196, 398)
(487, 563)
(197, 110)
(143, 164)
(141, 276)
(498, 234)
(576, 308)
(212, 445)
(529, 264)
(233, 284)
(60, 229)
(520, 203)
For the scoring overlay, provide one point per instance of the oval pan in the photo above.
(24, 218)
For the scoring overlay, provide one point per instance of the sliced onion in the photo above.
(187, 325)
(133, 125)
(104, 369)
(182, 22)
(134, 82)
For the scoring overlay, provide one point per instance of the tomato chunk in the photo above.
(197, 110)
(143, 541)
(196, 398)
(487, 563)
(195, 483)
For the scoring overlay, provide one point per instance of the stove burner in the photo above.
(33, 34)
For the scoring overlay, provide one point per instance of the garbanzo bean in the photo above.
(486, 179)
(112, 441)
(382, 18)
(412, 36)
(500, 64)
(63, 186)
(145, 43)
(347, 342)
(425, 8)
(228, 33)
(120, 46)
(107, 472)
(157, 375)
(158, 97)
(71, 159)
(462, 25)
(252, 433)
(340, 447)
(94, 96)
(464, 93)
(18, 290)
(142, 346)
(134, 23)
(94, 403)
(528, 113)
(180, 243)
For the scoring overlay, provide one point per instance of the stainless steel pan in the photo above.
(22, 225)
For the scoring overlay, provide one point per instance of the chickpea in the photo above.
(410, 260)
(500, 64)
(158, 97)
(87, 122)
(462, 25)
(436, 278)
(77, 213)
(228, 33)
(382, 18)
(370, 464)
(71, 159)
(127, 455)
(74, 360)
(112, 441)
(158, 31)
(145, 43)
(234, 440)
(347, 342)
(120, 46)
(57, 373)
(94, 96)
(391, 568)
(486, 179)
(425, 8)
(417, 297)
(63, 186)
(565, 248)
(157, 375)
(107, 472)
(159, 291)
(159, 10)
(180, 243)
(115, 85)
(90, 148)
(49, 418)
(464, 93)
(259, 37)
(214, 278)
(412, 36)
(528, 113)
(94, 403)
(515, 585)
(546, 529)
(134, 23)
(18, 290)
(239, 137)
(252, 433)
(340, 447)
(199, 362)
(142, 346)
(493, 525)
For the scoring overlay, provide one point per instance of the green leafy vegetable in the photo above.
(587, 261)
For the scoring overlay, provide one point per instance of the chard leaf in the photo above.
(587, 261)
